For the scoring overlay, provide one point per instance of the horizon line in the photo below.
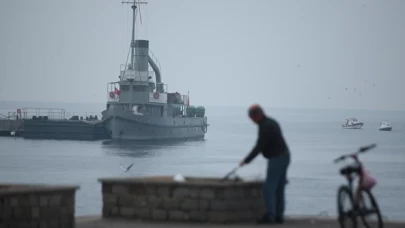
(218, 105)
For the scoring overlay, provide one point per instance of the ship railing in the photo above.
(112, 95)
(11, 116)
(83, 116)
(142, 76)
(43, 113)
(182, 101)
(51, 114)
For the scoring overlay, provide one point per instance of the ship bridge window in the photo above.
(137, 88)
(124, 87)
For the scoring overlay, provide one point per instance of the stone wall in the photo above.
(37, 206)
(195, 200)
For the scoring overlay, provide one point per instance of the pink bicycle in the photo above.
(357, 196)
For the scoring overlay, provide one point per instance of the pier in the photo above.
(51, 123)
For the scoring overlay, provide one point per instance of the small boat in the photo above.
(352, 123)
(385, 126)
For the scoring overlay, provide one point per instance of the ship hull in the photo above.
(123, 124)
(353, 126)
(385, 129)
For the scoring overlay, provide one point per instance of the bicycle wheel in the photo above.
(368, 208)
(349, 214)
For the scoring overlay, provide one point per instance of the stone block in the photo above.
(127, 212)
(119, 189)
(150, 190)
(180, 192)
(23, 201)
(171, 204)
(22, 213)
(140, 202)
(106, 188)
(204, 205)
(43, 201)
(54, 222)
(217, 205)
(189, 204)
(110, 199)
(55, 200)
(23, 224)
(207, 193)
(233, 193)
(34, 200)
(44, 224)
(48, 213)
(67, 199)
(17, 213)
(143, 213)
(137, 189)
(243, 204)
(194, 193)
(67, 211)
(234, 205)
(14, 202)
(257, 203)
(159, 214)
(114, 211)
(176, 215)
(125, 200)
(6, 213)
(35, 224)
(154, 202)
(164, 191)
(197, 216)
(35, 212)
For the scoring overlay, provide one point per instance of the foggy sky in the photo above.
(301, 53)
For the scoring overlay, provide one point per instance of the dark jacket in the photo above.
(270, 143)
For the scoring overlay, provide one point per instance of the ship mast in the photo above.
(134, 7)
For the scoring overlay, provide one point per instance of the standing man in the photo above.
(273, 147)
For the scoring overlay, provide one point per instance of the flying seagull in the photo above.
(126, 169)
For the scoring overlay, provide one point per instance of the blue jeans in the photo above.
(274, 186)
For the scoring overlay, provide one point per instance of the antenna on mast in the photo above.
(134, 3)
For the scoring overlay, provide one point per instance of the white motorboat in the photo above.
(385, 126)
(352, 123)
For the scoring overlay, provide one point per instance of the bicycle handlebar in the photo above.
(366, 148)
(362, 149)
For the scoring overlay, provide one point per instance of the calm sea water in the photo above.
(314, 137)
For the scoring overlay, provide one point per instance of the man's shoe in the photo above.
(279, 220)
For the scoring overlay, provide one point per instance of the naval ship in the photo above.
(139, 108)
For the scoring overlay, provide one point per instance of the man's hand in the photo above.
(242, 163)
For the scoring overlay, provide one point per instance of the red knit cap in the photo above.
(256, 113)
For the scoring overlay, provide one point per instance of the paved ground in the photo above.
(95, 221)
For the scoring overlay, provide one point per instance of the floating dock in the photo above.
(53, 124)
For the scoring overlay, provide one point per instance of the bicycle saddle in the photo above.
(350, 169)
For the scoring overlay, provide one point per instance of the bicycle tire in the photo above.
(344, 189)
(375, 208)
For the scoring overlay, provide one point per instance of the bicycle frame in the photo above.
(350, 178)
